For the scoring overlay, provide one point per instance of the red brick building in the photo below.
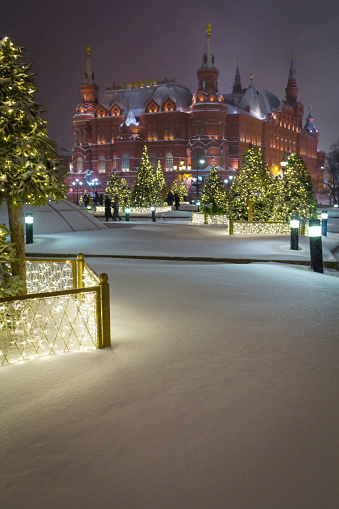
(188, 133)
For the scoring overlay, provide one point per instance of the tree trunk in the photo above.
(16, 226)
(250, 209)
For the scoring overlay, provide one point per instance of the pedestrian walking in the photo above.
(85, 199)
(170, 198)
(176, 201)
(108, 205)
(116, 208)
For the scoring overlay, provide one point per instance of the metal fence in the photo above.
(67, 309)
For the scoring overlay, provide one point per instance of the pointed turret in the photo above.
(309, 125)
(208, 74)
(291, 93)
(292, 88)
(237, 89)
(88, 89)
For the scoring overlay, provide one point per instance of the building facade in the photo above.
(188, 133)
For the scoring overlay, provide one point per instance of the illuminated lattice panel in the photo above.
(45, 276)
(89, 277)
(48, 325)
(199, 218)
(137, 210)
(260, 228)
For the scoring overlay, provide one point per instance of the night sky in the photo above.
(135, 40)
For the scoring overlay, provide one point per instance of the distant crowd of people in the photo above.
(112, 208)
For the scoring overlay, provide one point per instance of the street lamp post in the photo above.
(200, 161)
(314, 233)
(77, 183)
(294, 225)
(324, 217)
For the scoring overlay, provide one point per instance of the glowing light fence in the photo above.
(136, 210)
(201, 218)
(71, 319)
(259, 228)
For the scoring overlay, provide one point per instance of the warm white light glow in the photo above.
(314, 231)
(324, 215)
(294, 223)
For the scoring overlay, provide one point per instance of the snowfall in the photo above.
(220, 389)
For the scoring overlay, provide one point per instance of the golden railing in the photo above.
(72, 312)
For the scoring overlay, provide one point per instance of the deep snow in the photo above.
(220, 391)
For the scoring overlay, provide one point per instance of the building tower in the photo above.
(208, 74)
(88, 89)
(291, 94)
(237, 89)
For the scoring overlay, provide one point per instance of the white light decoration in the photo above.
(324, 215)
(50, 324)
(136, 210)
(260, 228)
(199, 218)
(29, 219)
(314, 231)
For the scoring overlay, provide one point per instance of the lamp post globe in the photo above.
(200, 161)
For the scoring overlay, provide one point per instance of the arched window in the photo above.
(80, 165)
(125, 162)
(102, 164)
(169, 162)
(153, 161)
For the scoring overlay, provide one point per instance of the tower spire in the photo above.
(89, 74)
(208, 57)
(291, 93)
(237, 88)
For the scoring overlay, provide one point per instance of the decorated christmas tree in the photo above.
(251, 194)
(298, 194)
(144, 191)
(174, 187)
(124, 193)
(214, 192)
(160, 185)
(30, 171)
(113, 187)
(9, 285)
(182, 192)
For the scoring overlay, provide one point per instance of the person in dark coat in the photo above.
(170, 198)
(96, 199)
(116, 208)
(101, 199)
(108, 205)
(85, 199)
(176, 201)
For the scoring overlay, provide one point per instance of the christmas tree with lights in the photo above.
(251, 194)
(214, 192)
(182, 192)
(124, 193)
(144, 192)
(174, 187)
(298, 194)
(113, 187)
(160, 185)
(30, 171)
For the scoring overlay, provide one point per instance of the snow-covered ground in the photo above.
(220, 389)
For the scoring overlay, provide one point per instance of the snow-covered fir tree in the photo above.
(113, 187)
(160, 185)
(30, 171)
(144, 190)
(214, 191)
(9, 285)
(298, 194)
(124, 193)
(251, 189)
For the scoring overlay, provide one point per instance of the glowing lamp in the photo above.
(29, 228)
(29, 218)
(153, 213)
(324, 215)
(152, 208)
(198, 203)
(336, 205)
(314, 231)
(294, 223)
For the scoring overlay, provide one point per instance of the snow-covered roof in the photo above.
(259, 104)
(137, 98)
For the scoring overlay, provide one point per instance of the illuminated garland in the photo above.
(260, 228)
(136, 210)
